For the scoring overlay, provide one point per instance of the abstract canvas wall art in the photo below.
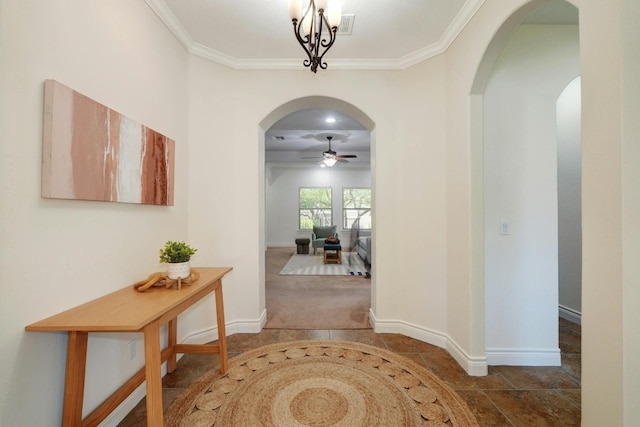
(91, 152)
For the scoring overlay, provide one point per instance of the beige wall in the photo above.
(409, 136)
(520, 142)
(631, 208)
(606, 360)
(603, 281)
(57, 253)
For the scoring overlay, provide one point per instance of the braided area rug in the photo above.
(319, 383)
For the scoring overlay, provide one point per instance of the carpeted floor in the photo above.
(320, 383)
(314, 302)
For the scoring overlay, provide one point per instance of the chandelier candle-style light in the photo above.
(315, 28)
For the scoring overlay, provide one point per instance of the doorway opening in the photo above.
(525, 69)
(296, 138)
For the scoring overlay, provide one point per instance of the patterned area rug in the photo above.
(314, 265)
(319, 383)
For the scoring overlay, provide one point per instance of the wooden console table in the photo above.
(128, 310)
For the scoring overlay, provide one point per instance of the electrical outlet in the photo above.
(132, 349)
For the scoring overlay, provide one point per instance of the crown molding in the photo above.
(448, 37)
(172, 23)
(458, 24)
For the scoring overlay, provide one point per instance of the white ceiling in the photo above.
(258, 34)
(304, 134)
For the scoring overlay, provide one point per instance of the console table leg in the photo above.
(74, 378)
(222, 333)
(153, 375)
(173, 340)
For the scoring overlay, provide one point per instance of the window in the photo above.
(314, 206)
(356, 205)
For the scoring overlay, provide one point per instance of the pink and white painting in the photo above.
(91, 152)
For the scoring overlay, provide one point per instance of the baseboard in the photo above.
(291, 245)
(251, 326)
(408, 329)
(474, 366)
(524, 357)
(241, 326)
(118, 414)
(570, 314)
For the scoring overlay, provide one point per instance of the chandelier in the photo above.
(315, 28)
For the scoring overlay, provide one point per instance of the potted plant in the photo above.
(177, 256)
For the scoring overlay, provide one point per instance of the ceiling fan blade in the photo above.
(330, 154)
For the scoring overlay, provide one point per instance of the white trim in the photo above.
(251, 326)
(118, 414)
(524, 356)
(459, 22)
(245, 326)
(286, 244)
(171, 22)
(414, 331)
(570, 314)
(474, 366)
(182, 35)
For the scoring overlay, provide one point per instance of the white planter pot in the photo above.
(180, 270)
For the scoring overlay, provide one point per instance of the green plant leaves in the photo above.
(174, 252)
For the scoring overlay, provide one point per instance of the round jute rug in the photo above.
(319, 383)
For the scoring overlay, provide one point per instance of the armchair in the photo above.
(320, 233)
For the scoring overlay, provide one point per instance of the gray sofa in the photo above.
(361, 238)
(363, 246)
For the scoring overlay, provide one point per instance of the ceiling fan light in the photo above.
(329, 161)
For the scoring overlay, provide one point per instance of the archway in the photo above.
(310, 102)
(514, 180)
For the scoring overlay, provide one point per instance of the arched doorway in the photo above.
(523, 72)
(289, 108)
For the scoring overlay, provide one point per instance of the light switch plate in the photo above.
(505, 228)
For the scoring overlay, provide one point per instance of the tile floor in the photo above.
(508, 396)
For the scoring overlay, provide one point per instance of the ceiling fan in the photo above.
(330, 157)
